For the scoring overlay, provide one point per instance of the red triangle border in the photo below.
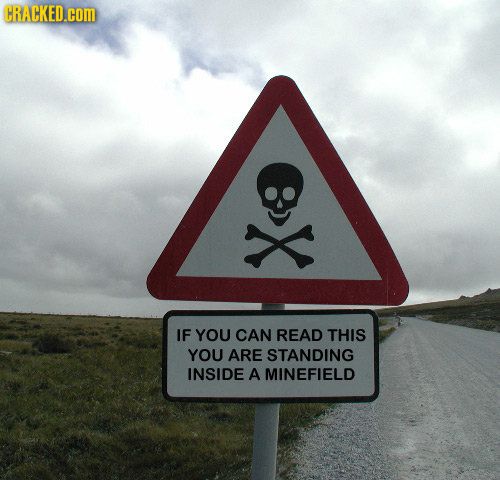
(392, 289)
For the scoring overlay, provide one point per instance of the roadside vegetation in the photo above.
(80, 398)
(384, 333)
(480, 311)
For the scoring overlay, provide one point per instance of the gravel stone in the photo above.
(436, 416)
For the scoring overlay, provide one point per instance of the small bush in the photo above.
(10, 336)
(51, 343)
(383, 334)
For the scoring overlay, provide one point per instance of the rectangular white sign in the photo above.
(282, 356)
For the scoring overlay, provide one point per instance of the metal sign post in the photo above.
(265, 431)
(279, 219)
(268, 357)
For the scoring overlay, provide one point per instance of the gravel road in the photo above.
(436, 416)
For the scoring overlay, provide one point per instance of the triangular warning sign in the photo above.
(279, 220)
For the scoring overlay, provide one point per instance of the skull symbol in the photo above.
(279, 186)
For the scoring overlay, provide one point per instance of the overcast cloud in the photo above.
(108, 131)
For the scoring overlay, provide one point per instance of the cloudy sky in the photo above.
(107, 132)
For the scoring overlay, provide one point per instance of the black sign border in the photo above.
(214, 313)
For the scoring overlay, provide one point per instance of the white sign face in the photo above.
(279, 219)
(301, 355)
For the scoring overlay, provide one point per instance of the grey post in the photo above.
(265, 431)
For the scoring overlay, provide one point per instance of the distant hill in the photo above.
(479, 311)
(490, 295)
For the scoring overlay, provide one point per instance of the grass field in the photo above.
(80, 398)
(95, 409)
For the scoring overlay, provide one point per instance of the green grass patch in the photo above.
(80, 398)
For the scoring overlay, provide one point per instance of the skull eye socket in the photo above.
(271, 193)
(289, 193)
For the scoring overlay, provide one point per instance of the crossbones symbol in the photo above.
(256, 258)
(279, 186)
